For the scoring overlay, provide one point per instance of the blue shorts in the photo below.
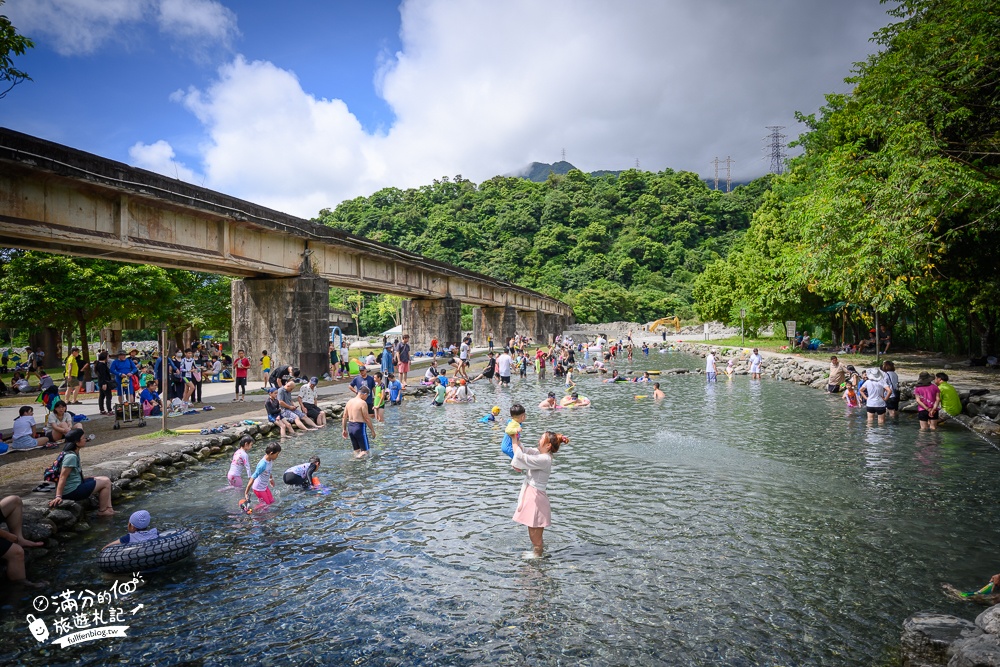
(83, 491)
(358, 433)
(507, 446)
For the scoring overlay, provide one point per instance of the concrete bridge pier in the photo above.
(288, 317)
(427, 319)
(529, 323)
(501, 322)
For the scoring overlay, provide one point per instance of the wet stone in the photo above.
(147, 476)
(190, 460)
(214, 449)
(163, 460)
(36, 532)
(139, 485)
(81, 527)
(61, 517)
(159, 471)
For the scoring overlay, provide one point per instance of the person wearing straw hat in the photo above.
(875, 391)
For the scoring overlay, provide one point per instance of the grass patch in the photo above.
(775, 345)
(158, 434)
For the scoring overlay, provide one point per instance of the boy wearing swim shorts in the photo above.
(356, 422)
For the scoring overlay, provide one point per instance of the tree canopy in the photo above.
(893, 205)
(11, 43)
(619, 246)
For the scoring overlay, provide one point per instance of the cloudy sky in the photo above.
(325, 101)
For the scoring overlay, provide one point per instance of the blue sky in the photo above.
(299, 105)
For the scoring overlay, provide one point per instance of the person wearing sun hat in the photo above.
(139, 530)
(875, 391)
(928, 397)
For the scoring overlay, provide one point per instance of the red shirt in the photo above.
(241, 364)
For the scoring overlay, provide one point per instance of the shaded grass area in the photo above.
(780, 345)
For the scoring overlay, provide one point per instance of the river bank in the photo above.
(980, 401)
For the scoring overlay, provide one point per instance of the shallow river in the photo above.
(742, 523)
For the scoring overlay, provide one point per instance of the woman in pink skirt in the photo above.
(533, 505)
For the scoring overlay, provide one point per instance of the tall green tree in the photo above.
(54, 290)
(12, 43)
(893, 206)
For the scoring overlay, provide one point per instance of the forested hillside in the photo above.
(625, 246)
(893, 207)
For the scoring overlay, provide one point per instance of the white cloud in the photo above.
(80, 27)
(74, 26)
(484, 88)
(159, 157)
(197, 19)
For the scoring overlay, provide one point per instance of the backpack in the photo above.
(51, 473)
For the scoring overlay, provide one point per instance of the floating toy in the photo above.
(641, 396)
(169, 547)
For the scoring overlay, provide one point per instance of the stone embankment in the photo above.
(937, 640)
(981, 408)
(57, 526)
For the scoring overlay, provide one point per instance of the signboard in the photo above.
(790, 329)
(743, 313)
(706, 330)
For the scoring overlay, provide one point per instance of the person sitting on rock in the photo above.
(72, 485)
(13, 543)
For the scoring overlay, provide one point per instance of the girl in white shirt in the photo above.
(241, 458)
(24, 430)
(533, 508)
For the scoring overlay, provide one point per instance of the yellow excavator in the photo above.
(664, 321)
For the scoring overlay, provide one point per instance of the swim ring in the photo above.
(170, 546)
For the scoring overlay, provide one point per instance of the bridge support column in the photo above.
(288, 317)
(427, 319)
(551, 325)
(501, 322)
(529, 324)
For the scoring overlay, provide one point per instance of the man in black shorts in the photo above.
(490, 371)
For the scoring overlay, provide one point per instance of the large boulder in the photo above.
(989, 620)
(979, 651)
(927, 636)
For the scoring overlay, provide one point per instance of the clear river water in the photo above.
(740, 523)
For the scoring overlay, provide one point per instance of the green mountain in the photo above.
(620, 246)
(538, 172)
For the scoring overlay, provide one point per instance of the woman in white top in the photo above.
(533, 508)
(60, 421)
(24, 430)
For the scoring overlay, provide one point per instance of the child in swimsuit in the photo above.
(261, 480)
(380, 396)
(851, 397)
(240, 458)
(512, 432)
(302, 474)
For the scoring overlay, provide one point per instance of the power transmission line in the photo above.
(729, 162)
(776, 148)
